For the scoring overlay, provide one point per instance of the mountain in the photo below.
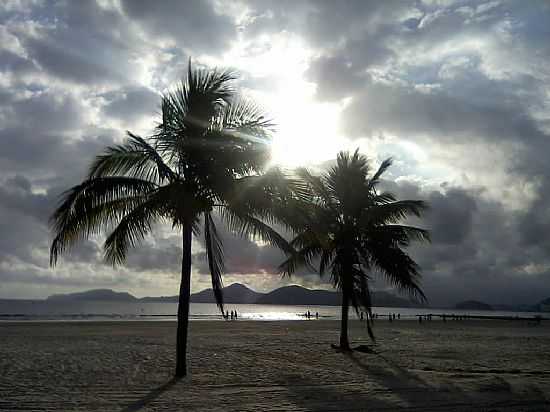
(237, 293)
(473, 305)
(96, 294)
(298, 295)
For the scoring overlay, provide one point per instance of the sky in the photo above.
(457, 92)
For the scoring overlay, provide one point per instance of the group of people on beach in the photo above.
(233, 315)
(391, 316)
(309, 315)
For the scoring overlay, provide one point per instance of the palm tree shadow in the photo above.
(398, 371)
(151, 396)
(312, 397)
(398, 374)
(407, 389)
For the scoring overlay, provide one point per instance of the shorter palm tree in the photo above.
(352, 230)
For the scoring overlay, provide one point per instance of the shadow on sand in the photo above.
(387, 388)
(151, 396)
(391, 387)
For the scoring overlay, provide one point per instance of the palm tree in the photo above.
(206, 158)
(352, 230)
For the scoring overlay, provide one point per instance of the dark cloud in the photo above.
(131, 103)
(194, 25)
(79, 42)
(476, 251)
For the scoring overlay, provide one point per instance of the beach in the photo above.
(279, 366)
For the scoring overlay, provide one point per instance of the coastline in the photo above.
(282, 365)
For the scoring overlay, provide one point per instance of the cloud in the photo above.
(456, 91)
(194, 25)
(476, 251)
(76, 42)
(131, 103)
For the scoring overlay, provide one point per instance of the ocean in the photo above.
(42, 310)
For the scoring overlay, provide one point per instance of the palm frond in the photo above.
(132, 229)
(272, 197)
(375, 179)
(134, 158)
(363, 299)
(188, 110)
(215, 257)
(398, 235)
(300, 258)
(248, 226)
(393, 212)
(399, 270)
(93, 205)
(247, 119)
(326, 260)
(317, 189)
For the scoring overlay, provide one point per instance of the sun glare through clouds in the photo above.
(306, 131)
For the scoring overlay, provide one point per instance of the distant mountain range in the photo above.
(286, 295)
(237, 293)
(95, 294)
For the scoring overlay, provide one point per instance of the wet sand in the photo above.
(275, 366)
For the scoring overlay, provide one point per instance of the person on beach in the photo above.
(399, 316)
(316, 315)
(235, 314)
(361, 315)
(226, 315)
(231, 315)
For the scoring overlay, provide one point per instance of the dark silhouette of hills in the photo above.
(95, 294)
(237, 293)
(473, 305)
(287, 295)
(297, 295)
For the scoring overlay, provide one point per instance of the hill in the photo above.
(473, 305)
(298, 295)
(237, 293)
(95, 294)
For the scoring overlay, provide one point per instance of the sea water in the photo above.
(43, 310)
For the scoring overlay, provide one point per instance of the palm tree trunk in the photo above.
(344, 343)
(183, 303)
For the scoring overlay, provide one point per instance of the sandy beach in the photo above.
(279, 366)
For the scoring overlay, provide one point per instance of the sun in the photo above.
(307, 131)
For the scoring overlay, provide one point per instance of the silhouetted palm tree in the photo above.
(353, 231)
(207, 155)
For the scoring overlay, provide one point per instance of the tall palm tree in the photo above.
(207, 156)
(352, 230)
